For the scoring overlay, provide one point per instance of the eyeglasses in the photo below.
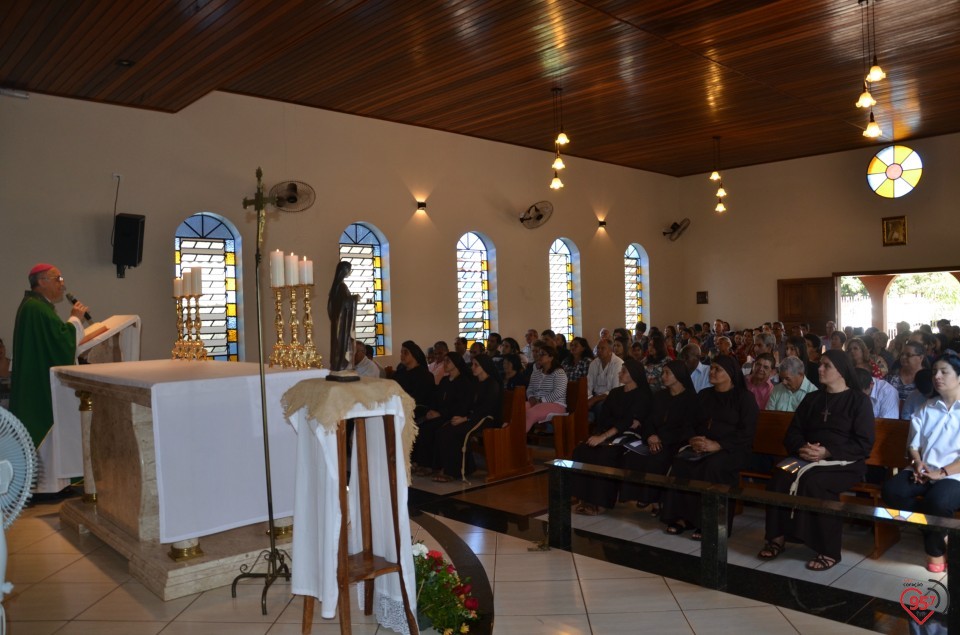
(54, 278)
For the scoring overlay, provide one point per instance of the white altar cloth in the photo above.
(317, 506)
(208, 436)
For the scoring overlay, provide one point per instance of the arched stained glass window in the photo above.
(361, 245)
(473, 288)
(562, 287)
(894, 171)
(634, 278)
(211, 243)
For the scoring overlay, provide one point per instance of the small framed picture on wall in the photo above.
(894, 230)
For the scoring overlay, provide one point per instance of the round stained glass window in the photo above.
(894, 171)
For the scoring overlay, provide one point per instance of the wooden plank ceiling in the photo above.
(646, 84)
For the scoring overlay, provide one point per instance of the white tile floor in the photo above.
(73, 585)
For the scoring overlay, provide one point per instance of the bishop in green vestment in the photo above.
(41, 340)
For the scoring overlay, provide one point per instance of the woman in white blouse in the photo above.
(934, 448)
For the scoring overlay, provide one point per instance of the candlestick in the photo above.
(276, 357)
(294, 350)
(312, 358)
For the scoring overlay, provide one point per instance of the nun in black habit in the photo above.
(832, 434)
(625, 407)
(676, 413)
(719, 448)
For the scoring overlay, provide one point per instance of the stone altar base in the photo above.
(223, 553)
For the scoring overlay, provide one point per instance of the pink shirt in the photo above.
(761, 392)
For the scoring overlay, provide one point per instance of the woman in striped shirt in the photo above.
(547, 391)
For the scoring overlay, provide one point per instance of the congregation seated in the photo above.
(934, 449)
(828, 441)
(453, 398)
(414, 378)
(362, 362)
(675, 415)
(625, 408)
(720, 446)
(547, 390)
(620, 347)
(793, 387)
(577, 363)
(814, 351)
(698, 371)
(796, 346)
(451, 457)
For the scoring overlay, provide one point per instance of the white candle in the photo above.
(187, 287)
(306, 271)
(197, 282)
(291, 271)
(177, 288)
(276, 268)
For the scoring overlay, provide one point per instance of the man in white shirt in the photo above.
(883, 396)
(793, 386)
(530, 336)
(440, 350)
(699, 372)
(364, 366)
(603, 375)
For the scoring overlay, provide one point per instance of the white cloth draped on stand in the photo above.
(314, 408)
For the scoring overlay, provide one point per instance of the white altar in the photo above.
(177, 454)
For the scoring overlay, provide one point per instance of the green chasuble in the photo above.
(40, 340)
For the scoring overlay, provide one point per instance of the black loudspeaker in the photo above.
(127, 241)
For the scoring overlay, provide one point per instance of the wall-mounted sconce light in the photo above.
(602, 224)
(422, 206)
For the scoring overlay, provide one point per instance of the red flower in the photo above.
(435, 555)
(451, 568)
(466, 588)
(471, 604)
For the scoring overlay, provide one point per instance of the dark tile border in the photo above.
(468, 566)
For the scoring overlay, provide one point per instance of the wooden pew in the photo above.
(890, 453)
(771, 428)
(505, 448)
(572, 428)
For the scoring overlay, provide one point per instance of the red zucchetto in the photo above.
(40, 268)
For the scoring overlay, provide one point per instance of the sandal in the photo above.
(821, 563)
(697, 534)
(771, 550)
(675, 529)
(654, 509)
(442, 478)
(936, 567)
(589, 510)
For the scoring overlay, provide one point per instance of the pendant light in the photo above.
(715, 176)
(873, 128)
(876, 73)
(561, 139)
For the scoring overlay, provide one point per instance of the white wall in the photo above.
(56, 200)
(808, 217)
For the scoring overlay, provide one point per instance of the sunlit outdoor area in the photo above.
(916, 298)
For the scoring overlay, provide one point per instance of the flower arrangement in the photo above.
(442, 597)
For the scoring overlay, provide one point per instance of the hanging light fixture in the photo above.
(561, 139)
(876, 73)
(715, 176)
(873, 128)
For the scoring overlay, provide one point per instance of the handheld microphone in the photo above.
(73, 300)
